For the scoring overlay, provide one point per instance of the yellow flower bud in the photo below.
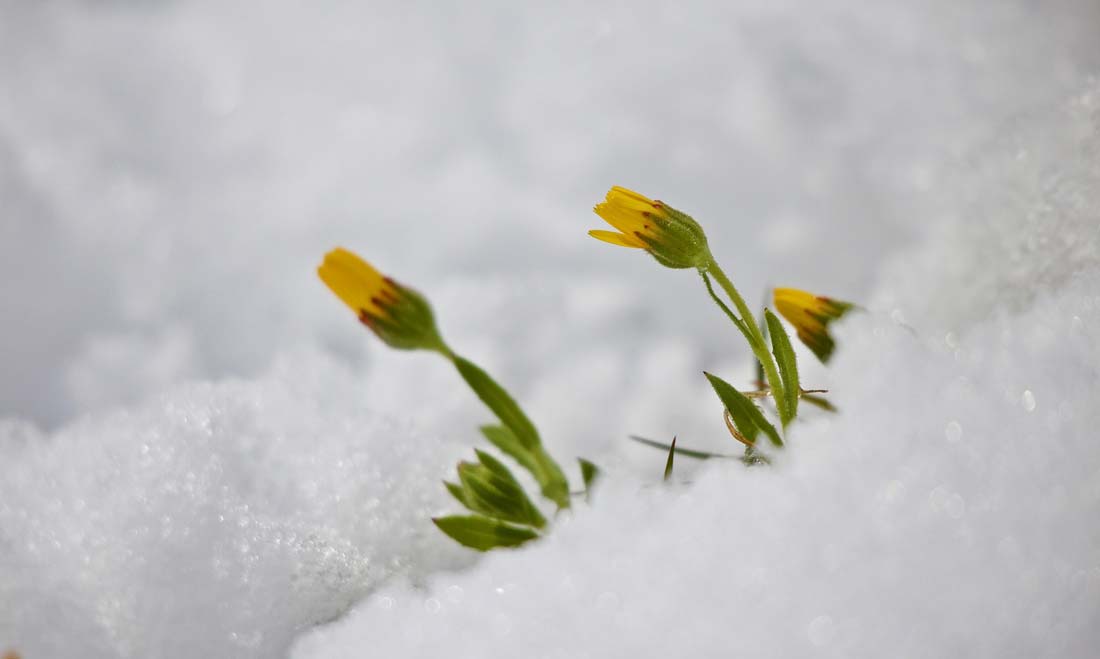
(398, 315)
(672, 237)
(811, 314)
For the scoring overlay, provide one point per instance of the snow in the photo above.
(203, 455)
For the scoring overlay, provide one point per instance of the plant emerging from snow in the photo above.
(676, 240)
(502, 513)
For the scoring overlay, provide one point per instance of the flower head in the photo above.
(811, 315)
(672, 237)
(400, 316)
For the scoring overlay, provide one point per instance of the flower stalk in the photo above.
(753, 334)
(676, 240)
(402, 318)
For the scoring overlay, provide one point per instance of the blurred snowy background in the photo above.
(203, 455)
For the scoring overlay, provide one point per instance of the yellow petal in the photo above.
(626, 221)
(792, 300)
(352, 261)
(617, 238)
(630, 199)
(352, 279)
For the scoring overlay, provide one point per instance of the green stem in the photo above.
(717, 300)
(752, 333)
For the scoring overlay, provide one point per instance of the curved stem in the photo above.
(752, 332)
(717, 300)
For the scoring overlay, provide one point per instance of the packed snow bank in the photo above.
(216, 520)
(949, 510)
(163, 213)
(224, 518)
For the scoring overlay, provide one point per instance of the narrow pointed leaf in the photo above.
(686, 452)
(513, 488)
(589, 473)
(459, 493)
(551, 478)
(818, 401)
(788, 367)
(495, 466)
(746, 415)
(482, 533)
(546, 472)
(763, 325)
(499, 401)
(671, 457)
(505, 440)
(497, 496)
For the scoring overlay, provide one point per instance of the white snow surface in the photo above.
(202, 454)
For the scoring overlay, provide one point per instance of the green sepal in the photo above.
(788, 368)
(746, 415)
(483, 533)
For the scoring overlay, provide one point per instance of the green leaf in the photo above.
(759, 370)
(551, 478)
(547, 473)
(671, 457)
(589, 473)
(459, 493)
(498, 496)
(788, 367)
(818, 401)
(482, 533)
(498, 400)
(686, 452)
(505, 440)
(746, 415)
